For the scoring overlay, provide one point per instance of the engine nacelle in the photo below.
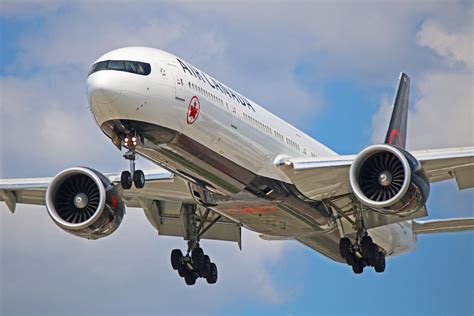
(84, 203)
(389, 179)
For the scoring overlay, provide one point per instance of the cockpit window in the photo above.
(135, 67)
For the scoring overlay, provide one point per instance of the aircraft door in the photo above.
(234, 117)
(179, 86)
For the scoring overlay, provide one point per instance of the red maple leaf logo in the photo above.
(193, 110)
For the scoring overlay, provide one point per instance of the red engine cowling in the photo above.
(84, 203)
(389, 179)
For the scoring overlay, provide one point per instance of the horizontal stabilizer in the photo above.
(443, 226)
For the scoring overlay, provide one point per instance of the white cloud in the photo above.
(253, 47)
(27, 8)
(242, 42)
(134, 257)
(456, 47)
(442, 113)
(381, 120)
(47, 124)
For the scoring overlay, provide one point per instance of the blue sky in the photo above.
(331, 70)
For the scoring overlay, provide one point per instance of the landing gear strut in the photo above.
(137, 177)
(364, 252)
(195, 264)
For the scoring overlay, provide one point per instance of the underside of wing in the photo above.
(319, 178)
(443, 226)
(445, 164)
(159, 185)
(328, 179)
(165, 199)
(24, 191)
(324, 177)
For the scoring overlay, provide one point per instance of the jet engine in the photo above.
(389, 179)
(83, 202)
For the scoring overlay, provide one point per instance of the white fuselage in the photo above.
(227, 124)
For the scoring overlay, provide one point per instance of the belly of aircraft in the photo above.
(261, 204)
(264, 205)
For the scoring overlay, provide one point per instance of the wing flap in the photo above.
(464, 177)
(23, 191)
(443, 226)
(319, 178)
(225, 231)
(169, 219)
(9, 198)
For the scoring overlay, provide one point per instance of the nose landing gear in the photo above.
(137, 177)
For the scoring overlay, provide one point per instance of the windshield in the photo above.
(135, 67)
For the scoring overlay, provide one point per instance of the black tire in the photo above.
(351, 259)
(176, 258)
(358, 267)
(369, 249)
(212, 278)
(379, 265)
(206, 267)
(345, 245)
(126, 180)
(190, 278)
(374, 249)
(198, 258)
(139, 179)
(182, 271)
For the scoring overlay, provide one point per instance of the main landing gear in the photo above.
(364, 252)
(137, 177)
(361, 254)
(195, 264)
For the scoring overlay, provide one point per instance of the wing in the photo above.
(161, 199)
(319, 178)
(326, 177)
(444, 164)
(443, 226)
(160, 185)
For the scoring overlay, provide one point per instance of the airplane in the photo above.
(224, 163)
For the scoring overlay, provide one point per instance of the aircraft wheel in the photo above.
(198, 258)
(139, 179)
(126, 180)
(182, 271)
(367, 246)
(212, 278)
(345, 247)
(379, 265)
(351, 259)
(206, 267)
(176, 258)
(190, 278)
(357, 267)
